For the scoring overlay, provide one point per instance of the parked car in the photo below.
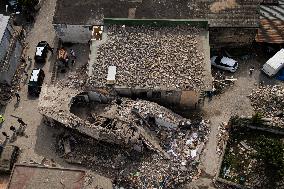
(9, 155)
(224, 63)
(14, 6)
(35, 82)
(41, 52)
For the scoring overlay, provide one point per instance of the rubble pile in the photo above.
(146, 108)
(148, 170)
(268, 100)
(221, 82)
(75, 79)
(222, 136)
(5, 93)
(148, 57)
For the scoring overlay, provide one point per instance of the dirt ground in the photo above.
(234, 101)
(40, 139)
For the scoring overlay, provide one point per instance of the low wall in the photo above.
(158, 22)
(266, 128)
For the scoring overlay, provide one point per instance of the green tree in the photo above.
(271, 151)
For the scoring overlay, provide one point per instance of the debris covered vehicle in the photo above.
(41, 52)
(9, 155)
(224, 63)
(35, 82)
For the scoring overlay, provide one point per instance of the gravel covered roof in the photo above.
(152, 57)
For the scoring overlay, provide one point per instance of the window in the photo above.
(156, 94)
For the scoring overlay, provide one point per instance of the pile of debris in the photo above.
(222, 136)
(5, 93)
(147, 170)
(221, 82)
(268, 100)
(149, 57)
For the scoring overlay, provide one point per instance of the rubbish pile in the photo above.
(221, 82)
(268, 100)
(5, 93)
(148, 57)
(222, 136)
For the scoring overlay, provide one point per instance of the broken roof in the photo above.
(232, 13)
(55, 103)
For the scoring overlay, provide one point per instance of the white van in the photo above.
(274, 64)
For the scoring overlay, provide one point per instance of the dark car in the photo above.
(9, 155)
(41, 52)
(14, 6)
(35, 82)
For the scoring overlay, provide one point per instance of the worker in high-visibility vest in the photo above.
(1, 119)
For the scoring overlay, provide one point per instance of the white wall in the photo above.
(73, 33)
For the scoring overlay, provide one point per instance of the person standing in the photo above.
(1, 120)
(72, 52)
(18, 96)
(49, 48)
(22, 122)
(5, 134)
(12, 128)
(251, 70)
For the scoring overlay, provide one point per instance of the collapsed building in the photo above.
(163, 60)
(124, 122)
(175, 143)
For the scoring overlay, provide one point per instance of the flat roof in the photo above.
(35, 177)
(39, 177)
(166, 57)
(3, 24)
(234, 13)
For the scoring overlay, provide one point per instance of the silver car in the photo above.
(224, 63)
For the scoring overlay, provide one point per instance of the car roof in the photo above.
(42, 44)
(35, 74)
(39, 51)
(228, 61)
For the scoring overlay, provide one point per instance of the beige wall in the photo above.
(73, 33)
(184, 99)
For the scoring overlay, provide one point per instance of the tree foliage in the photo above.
(271, 151)
(28, 3)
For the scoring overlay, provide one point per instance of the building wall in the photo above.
(183, 99)
(231, 37)
(7, 76)
(4, 45)
(73, 33)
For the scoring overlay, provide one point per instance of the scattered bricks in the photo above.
(268, 100)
